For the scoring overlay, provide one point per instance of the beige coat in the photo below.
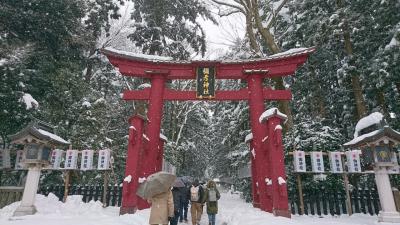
(162, 207)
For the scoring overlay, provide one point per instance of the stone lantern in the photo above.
(377, 142)
(38, 139)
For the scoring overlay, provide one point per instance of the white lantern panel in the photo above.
(19, 160)
(5, 162)
(71, 159)
(56, 158)
(335, 159)
(299, 161)
(87, 159)
(394, 170)
(104, 159)
(317, 162)
(353, 161)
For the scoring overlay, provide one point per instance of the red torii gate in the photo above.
(268, 163)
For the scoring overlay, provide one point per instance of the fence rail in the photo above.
(10, 194)
(321, 201)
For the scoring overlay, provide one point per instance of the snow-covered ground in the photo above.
(232, 211)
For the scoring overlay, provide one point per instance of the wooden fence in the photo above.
(321, 201)
(9, 195)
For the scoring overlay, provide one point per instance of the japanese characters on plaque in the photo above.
(205, 87)
(353, 161)
(104, 159)
(299, 161)
(335, 159)
(71, 159)
(56, 158)
(87, 160)
(317, 162)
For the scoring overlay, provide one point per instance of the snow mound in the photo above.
(51, 205)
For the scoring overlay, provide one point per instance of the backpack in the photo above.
(194, 194)
(212, 195)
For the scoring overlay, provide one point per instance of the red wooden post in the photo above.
(154, 115)
(254, 178)
(278, 174)
(132, 166)
(259, 130)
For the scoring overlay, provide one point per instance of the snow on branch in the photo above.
(29, 101)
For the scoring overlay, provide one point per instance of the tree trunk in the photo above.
(382, 103)
(318, 93)
(355, 79)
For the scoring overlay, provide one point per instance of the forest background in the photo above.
(51, 69)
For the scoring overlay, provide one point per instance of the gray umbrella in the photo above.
(186, 179)
(178, 183)
(156, 183)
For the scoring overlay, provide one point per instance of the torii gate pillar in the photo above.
(259, 130)
(135, 145)
(278, 185)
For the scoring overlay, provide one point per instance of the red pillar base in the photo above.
(127, 210)
(256, 204)
(282, 212)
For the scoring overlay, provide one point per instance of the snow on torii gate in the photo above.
(143, 160)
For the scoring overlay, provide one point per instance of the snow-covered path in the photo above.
(232, 211)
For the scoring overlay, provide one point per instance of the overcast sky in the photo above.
(219, 37)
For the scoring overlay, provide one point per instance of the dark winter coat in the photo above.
(185, 195)
(177, 196)
(212, 207)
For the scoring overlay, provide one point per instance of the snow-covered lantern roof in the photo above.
(38, 139)
(376, 140)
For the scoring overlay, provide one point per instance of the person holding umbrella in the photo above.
(162, 208)
(177, 196)
(157, 191)
(185, 197)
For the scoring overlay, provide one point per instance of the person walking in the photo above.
(196, 196)
(177, 198)
(211, 197)
(183, 209)
(162, 208)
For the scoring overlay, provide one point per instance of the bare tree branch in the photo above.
(275, 13)
(230, 5)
